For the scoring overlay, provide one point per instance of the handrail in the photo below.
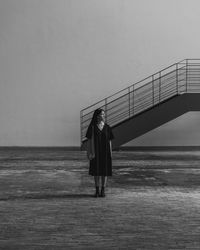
(159, 84)
(133, 84)
(126, 93)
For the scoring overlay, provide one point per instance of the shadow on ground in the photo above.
(46, 196)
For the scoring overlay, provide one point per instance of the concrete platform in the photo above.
(46, 202)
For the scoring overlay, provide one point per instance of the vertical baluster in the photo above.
(133, 99)
(153, 90)
(81, 128)
(186, 86)
(129, 101)
(159, 86)
(106, 115)
(177, 78)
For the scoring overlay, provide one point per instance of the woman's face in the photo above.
(101, 116)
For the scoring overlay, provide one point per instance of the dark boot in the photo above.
(103, 192)
(97, 192)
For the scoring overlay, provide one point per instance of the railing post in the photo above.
(133, 99)
(153, 89)
(177, 78)
(186, 87)
(159, 86)
(81, 124)
(106, 109)
(129, 101)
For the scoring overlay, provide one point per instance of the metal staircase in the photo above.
(149, 103)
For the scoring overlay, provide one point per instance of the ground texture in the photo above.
(46, 201)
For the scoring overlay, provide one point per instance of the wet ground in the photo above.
(46, 201)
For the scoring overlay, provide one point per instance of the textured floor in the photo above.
(152, 202)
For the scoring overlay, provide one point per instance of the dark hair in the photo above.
(95, 115)
(93, 120)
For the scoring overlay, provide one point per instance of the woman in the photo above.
(101, 163)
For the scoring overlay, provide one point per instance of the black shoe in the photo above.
(97, 192)
(103, 192)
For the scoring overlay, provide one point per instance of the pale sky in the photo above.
(59, 56)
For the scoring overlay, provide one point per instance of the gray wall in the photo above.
(58, 56)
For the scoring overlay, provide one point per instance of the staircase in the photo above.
(149, 103)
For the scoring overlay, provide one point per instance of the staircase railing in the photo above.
(177, 79)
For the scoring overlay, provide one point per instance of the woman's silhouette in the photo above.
(99, 136)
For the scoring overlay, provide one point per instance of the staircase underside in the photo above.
(154, 117)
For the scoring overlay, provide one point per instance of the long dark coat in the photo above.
(101, 165)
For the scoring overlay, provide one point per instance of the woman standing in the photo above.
(100, 135)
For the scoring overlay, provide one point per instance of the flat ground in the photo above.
(46, 201)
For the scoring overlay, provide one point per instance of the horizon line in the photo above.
(122, 148)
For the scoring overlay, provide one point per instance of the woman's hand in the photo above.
(111, 149)
(90, 157)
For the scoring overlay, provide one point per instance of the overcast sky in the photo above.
(59, 56)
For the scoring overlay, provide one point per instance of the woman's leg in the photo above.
(96, 180)
(103, 181)
(103, 185)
